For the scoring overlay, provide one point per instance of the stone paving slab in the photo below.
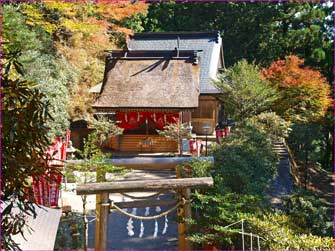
(43, 230)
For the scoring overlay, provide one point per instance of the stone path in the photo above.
(282, 184)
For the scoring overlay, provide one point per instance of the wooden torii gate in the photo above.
(182, 186)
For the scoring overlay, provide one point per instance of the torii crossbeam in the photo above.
(182, 185)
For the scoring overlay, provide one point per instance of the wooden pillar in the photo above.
(183, 228)
(183, 212)
(101, 222)
(102, 212)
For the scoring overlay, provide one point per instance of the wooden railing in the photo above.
(294, 168)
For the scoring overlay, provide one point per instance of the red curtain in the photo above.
(132, 120)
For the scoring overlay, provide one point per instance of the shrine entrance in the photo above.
(182, 188)
(140, 133)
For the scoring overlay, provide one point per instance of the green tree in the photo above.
(260, 32)
(280, 232)
(24, 142)
(245, 161)
(244, 165)
(271, 124)
(177, 132)
(245, 94)
(257, 31)
(51, 73)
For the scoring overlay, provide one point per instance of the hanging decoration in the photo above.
(165, 225)
(156, 228)
(130, 120)
(141, 230)
(158, 208)
(147, 211)
(130, 227)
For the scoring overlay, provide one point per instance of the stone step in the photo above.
(282, 154)
(279, 149)
(281, 145)
(279, 152)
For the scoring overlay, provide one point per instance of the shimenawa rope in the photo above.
(149, 217)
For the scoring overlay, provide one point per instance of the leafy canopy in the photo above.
(259, 31)
(245, 94)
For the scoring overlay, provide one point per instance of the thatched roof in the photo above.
(150, 80)
(209, 42)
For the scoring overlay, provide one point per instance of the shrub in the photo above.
(271, 124)
(309, 212)
(279, 232)
(245, 161)
(244, 164)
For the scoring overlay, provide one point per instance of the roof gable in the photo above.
(150, 80)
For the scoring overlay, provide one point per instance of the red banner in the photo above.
(46, 189)
(130, 120)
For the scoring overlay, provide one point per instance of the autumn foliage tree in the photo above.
(304, 99)
(81, 31)
(304, 94)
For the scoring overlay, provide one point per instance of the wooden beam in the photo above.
(143, 185)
